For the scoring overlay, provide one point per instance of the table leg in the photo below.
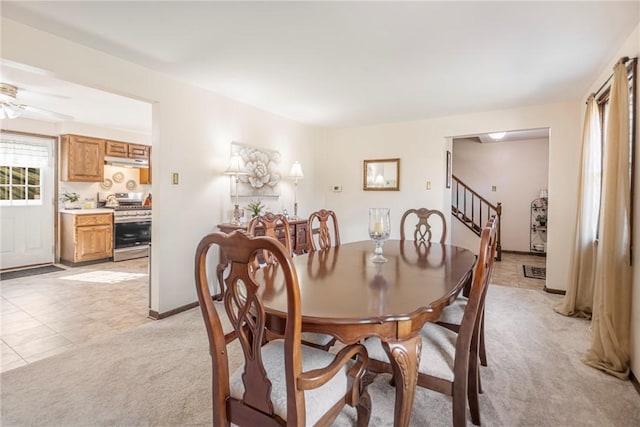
(405, 360)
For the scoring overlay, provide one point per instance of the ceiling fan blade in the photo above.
(40, 93)
(44, 112)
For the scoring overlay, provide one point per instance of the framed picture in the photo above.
(449, 171)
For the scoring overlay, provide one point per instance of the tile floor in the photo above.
(508, 272)
(50, 313)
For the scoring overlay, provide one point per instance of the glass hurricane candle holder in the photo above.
(379, 229)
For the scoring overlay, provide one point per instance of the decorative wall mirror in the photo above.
(381, 175)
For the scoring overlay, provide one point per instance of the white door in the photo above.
(26, 200)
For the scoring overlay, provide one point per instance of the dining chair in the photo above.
(319, 232)
(281, 382)
(275, 226)
(272, 224)
(449, 360)
(422, 231)
(451, 316)
(322, 233)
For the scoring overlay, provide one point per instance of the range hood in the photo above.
(126, 162)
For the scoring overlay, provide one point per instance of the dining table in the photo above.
(346, 295)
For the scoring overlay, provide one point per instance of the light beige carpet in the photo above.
(159, 375)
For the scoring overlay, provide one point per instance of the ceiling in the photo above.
(86, 105)
(353, 63)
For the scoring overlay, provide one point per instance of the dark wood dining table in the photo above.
(346, 295)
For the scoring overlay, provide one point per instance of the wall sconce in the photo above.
(236, 169)
(296, 174)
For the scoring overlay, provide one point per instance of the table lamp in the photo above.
(236, 169)
(296, 174)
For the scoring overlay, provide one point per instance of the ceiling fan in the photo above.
(10, 108)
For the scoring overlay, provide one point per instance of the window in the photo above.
(21, 166)
(603, 103)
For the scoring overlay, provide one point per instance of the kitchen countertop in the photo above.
(86, 211)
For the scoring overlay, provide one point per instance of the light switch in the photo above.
(175, 178)
(428, 185)
(493, 188)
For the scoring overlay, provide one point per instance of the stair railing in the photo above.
(474, 211)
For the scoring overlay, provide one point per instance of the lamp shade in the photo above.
(236, 166)
(296, 171)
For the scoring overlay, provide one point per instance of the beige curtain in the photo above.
(612, 288)
(578, 300)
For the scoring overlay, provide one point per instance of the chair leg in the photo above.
(473, 389)
(483, 351)
(364, 409)
(459, 406)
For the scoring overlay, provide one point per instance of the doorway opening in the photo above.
(510, 168)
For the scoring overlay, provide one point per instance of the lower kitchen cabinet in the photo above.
(85, 237)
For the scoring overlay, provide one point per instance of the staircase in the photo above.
(473, 210)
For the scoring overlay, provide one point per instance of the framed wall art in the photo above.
(449, 170)
(263, 171)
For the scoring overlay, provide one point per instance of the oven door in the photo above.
(130, 233)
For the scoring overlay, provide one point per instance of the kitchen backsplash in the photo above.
(116, 180)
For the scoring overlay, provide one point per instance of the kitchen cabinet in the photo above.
(145, 173)
(125, 149)
(85, 237)
(81, 158)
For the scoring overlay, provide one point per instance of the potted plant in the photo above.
(70, 200)
(255, 206)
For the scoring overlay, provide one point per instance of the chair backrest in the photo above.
(243, 306)
(422, 230)
(275, 226)
(319, 232)
(470, 326)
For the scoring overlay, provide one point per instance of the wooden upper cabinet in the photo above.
(125, 149)
(81, 158)
(145, 174)
(138, 151)
(117, 149)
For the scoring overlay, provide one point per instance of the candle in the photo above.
(378, 227)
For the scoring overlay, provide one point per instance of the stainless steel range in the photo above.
(131, 225)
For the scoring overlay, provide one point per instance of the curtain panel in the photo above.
(610, 348)
(578, 300)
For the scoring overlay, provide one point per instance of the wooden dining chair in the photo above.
(422, 230)
(277, 227)
(282, 382)
(451, 316)
(320, 232)
(449, 360)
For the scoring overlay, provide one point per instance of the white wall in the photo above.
(421, 146)
(518, 170)
(192, 134)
